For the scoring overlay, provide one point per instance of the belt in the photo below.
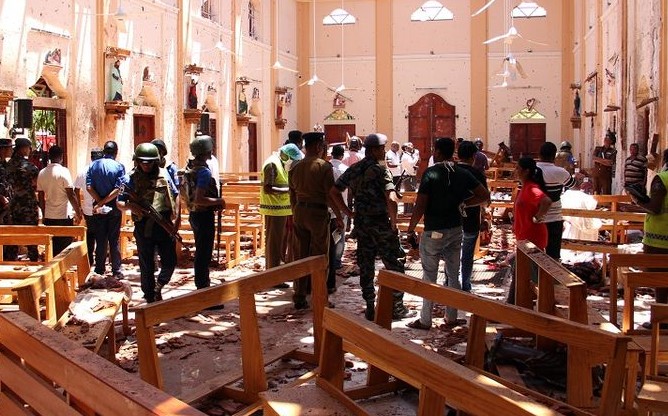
(312, 205)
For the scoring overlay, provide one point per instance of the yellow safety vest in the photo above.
(656, 225)
(276, 205)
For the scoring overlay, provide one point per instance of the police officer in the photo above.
(200, 194)
(565, 157)
(375, 220)
(23, 207)
(150, 185)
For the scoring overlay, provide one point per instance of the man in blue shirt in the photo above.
(101, 182)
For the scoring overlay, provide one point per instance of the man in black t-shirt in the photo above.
(445, 191)
(470, 223)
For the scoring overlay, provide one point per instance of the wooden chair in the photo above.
(653, 396)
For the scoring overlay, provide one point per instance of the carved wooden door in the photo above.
(336, 133)
(429, 118)
(526, 139)
(252, 147)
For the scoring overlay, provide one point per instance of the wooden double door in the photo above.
(526, 139)
(429, 118)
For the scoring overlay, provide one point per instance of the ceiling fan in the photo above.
(511, 67)
(314, 78)
(510, 36)
(483, 8)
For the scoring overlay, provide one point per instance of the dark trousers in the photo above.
(59, 243)
(90, 236)
(107, 236)
(555, 230)
(335, 254)
(203, 226)
(149, 237)
(661, 292)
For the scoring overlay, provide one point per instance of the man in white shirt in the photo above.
(409, 160)
(393, 161)
(56, 197)
(87, 204)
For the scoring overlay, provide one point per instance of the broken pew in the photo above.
(44, 373)
(439, 380)
(252, 357)
(586, 345)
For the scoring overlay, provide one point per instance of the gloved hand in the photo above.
(413, 240)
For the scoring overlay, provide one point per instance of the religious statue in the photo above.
(147, 74)
(242, 102)
(279, 107)
(192, 93)
(52, 57)
(339, 101)
(116, 82)
(576, 104)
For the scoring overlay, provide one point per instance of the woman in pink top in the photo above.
(531, 204)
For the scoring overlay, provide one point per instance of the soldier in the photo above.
(375, 220)
(5, 189)
(199, 192)
(153, 186)
(564, 158)
(23, 207)
(171, 167)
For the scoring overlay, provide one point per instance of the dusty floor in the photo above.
(198, 348)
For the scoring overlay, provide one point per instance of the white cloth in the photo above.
(431, 161)
(577, 227)
(53, 181)
(408, 162)
(352, 158)
(339, 167)
(80, 183)
(214, 168)
(394, 159)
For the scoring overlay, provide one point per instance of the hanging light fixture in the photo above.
(314, 79)
(277, 65)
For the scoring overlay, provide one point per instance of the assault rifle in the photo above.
(397, 185)
(151, 212)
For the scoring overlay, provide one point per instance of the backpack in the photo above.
(189, 184)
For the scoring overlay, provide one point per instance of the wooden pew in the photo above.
(27, 240)
(586, 345)
(253, 361)
(550, 272)
(50, 279)
(440, 381)
(44, 373)
(230, 235)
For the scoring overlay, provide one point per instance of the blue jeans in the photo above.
(432, 250)
(468, 248)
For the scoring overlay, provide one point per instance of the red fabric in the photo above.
(526, 206)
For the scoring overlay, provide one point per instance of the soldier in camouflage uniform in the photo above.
(23, 207)
(5, 189)
(154, 186)
(375, 220)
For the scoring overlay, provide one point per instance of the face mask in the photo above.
(288, 165)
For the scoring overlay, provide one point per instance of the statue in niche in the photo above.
(339, 101)
(576, 104)
(147, 74)
(242, 102)
(279, 107)
(192, 93)
(52, 57)
(116, 82)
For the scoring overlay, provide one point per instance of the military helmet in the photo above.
(375, 140)
(160, 144)
(147, 152)
(201, 145)
(22, 142)
(565, 145)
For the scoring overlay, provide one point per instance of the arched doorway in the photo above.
(429, 118)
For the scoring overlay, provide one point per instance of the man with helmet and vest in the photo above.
(23, 207)
(275, 201)
(171, 167)
(564, 158)
(101, 183)
(153, 187)
(201, 195)
(375, 216)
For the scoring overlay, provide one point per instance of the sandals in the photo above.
(453, 324)
(416, 324)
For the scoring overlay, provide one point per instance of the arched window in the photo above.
(253, 17)
(528, 9)
(431, 11)
(339, 17)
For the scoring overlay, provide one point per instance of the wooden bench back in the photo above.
(243, 289)
(51, 278)
(438, 379)
(78, 382)
(239, 176)
(77, 232)
(586, 345)
(28, 240)
(550, 272)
